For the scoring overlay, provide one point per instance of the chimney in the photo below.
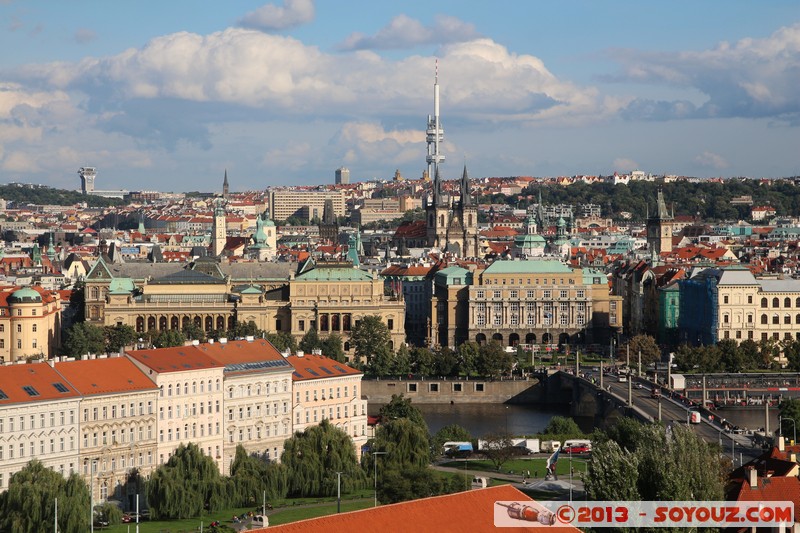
(195, 342)
(223, 340)
(752, 477)
(210, 341)
(781, 444)
(249, 338)
(52, 363)
(300, 353)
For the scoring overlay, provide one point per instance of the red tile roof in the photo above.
(42, 379)
(104, 376)
(471, 510)
(312, 366)
(176, 359)
(241, 352)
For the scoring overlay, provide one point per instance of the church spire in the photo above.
(466, 197)
(225, 185)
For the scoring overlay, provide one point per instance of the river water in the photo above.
(481, 419)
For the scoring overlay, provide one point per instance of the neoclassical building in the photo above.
(524, 302)
(328, 296)
(30, 322)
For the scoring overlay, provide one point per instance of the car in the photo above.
(520, 450)
(576, 449)
(639, 386)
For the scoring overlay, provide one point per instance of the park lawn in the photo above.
(534, 464)
(176, 526)
(302, 513)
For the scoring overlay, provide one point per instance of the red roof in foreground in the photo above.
(472, 510)
(33, 382)
(312, 366)
(105, 376)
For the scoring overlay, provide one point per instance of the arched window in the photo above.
(776, 302)
(763, 302)
(787, 319)
(151, 323)
(162, 323)
(139, 324)
(797, 318)
(787, 302)
(764, 319)
(173, 323)
(220, 323)
(776, 319)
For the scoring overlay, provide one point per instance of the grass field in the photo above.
(285, 511)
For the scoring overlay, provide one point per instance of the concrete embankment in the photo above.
(523, 391)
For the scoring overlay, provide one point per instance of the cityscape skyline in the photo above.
(285, 93)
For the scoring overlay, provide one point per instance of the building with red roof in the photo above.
(472, 510)
(258, 397)
(117, 423)
(38, 420)
(323, 388)
(190, 398)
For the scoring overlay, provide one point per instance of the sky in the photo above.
(169, 95)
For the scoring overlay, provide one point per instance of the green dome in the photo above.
(25, 295)
(268, 222)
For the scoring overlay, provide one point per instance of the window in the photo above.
(580, 293)
(514, 294)
(787, 302)
(33, 327)
(725, 317)
(764, 302)
(563, 294)
(479, 294)
(764, 319)
(775, 302)
(775, 319)
(725, 299)
(497, 294)
(787, 319)
(479, 387)
(546, 294)
(750, 299)
(434, 387)
(390, 323)
(412, 387)
(19, 328)
(301, 325)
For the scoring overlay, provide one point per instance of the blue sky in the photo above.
(167, 95)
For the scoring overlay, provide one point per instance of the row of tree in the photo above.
(729, 356)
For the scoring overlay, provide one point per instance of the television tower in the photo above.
(435, 132)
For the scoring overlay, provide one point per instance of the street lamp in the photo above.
(375, 467)
(794, 427)
(339, 492)
(93, 467)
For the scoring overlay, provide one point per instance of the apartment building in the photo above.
(38, 420)
(308, 205)
(258, 397)
(117, 423)
(190, 398)
(326, 389)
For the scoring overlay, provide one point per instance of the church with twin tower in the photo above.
(451, 221)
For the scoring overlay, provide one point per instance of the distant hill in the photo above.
(21, 193)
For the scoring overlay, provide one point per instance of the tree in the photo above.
(498, 448)
(314, 456)
(468, 353)
(168, 338)
(119, 336)
(450, 432)
(493, 361)
(648, 462)
(368, 336)
(731, 358)
(251, 475)
(647, 346)
(282, 341)
(446, 362)
(401, 363)
(28, 504)
(380, 364)
(422, 361)
(562, 425)
(333, 347)
(401, 407)
(419, 482)
(242, 329)
(790, 408)
(194, 332)
(109, 513)
(186, 485)
(310, 341)
(84, 338)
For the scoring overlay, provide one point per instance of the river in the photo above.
(481, 419)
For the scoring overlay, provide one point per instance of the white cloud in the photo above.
(711, 160)
(624, 164)
(273, 17)
(20, 162)
(291, 156)
(405, 32)
(751, 78)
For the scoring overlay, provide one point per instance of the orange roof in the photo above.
(176, 359)
(312, 366)
(774, 488)
(240, 352)
(104, 376)
(32, 383)
(471, 510)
